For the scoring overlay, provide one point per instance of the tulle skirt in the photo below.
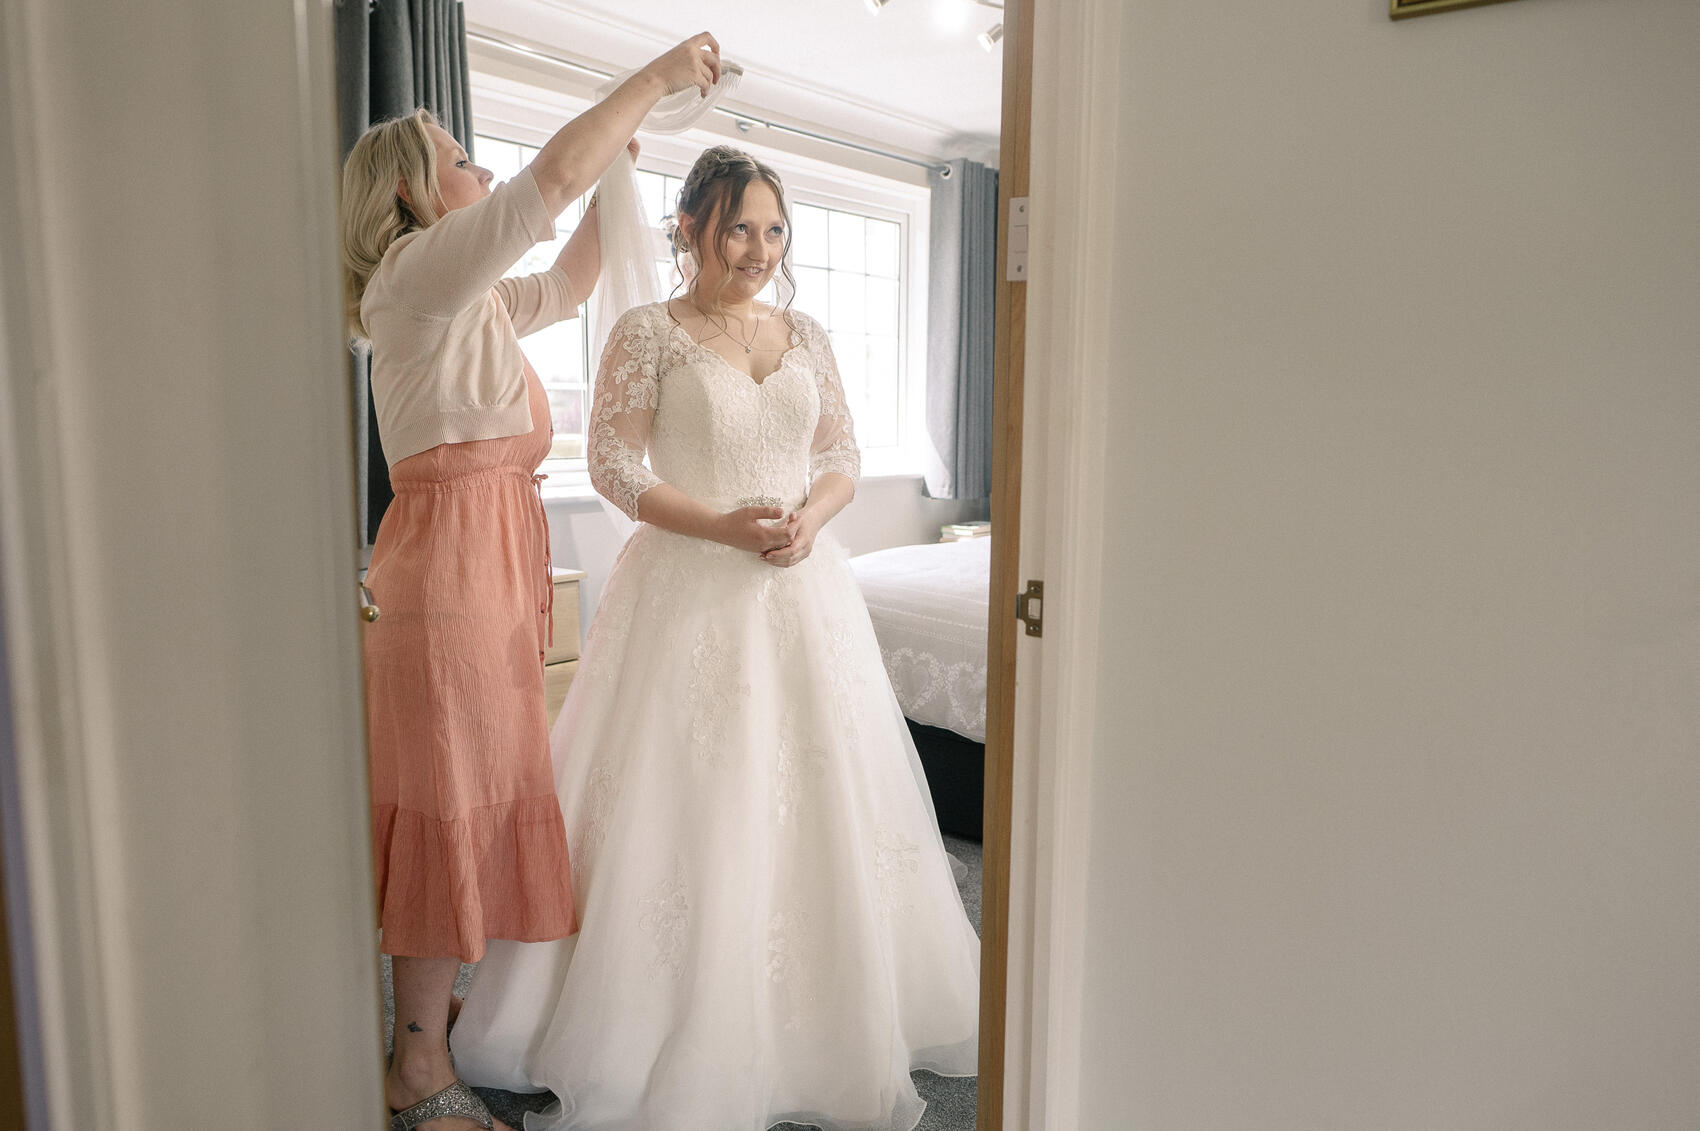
(770, 929)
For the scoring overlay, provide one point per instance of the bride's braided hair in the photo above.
(713, 189)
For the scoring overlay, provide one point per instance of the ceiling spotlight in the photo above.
(874, 6)
(989, 38)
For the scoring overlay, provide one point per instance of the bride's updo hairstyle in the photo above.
(715, 188)
(372, 215)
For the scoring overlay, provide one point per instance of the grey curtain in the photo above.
(961, 305)
(393, 56)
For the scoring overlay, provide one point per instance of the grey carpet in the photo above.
(950, 1100)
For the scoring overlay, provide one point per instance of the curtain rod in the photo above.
(743, 121)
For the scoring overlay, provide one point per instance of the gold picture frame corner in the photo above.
(1405, 9)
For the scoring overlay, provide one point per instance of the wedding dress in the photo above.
(770, 930)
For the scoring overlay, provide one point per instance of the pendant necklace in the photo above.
(749, 346)
(726, 329)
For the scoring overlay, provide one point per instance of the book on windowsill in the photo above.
(959, 531)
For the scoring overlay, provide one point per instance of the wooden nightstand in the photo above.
(560, 663)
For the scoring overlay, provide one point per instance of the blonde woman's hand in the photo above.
(753, 529)
(695, 62)
(800, 528)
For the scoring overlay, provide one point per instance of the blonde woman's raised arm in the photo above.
(581, 151)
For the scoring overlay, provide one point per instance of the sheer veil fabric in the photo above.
(628, 249)
(629, 252)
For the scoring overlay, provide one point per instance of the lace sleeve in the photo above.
(834, 448)
(628, 388)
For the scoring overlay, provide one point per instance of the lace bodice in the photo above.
(710, 430)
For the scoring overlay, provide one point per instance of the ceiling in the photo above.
(914, 76)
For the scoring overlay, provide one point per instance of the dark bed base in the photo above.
(956, 775)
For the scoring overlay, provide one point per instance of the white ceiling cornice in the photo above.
(603, 34)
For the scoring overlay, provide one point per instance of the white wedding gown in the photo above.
(770, 930)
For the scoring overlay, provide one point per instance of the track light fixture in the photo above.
(988, 39)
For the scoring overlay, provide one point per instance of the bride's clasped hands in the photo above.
(778, 537)
(754, 528)
(799, 530)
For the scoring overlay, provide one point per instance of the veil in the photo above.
(629, 250)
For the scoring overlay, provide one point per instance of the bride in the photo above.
(770, 930)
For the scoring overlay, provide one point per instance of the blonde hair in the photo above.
(372, 213)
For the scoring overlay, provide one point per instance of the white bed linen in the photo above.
(928, 605)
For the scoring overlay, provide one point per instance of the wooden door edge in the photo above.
(11, 1064)
(1007, 384)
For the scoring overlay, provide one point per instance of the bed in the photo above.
(928, 605)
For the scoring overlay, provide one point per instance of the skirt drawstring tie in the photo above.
(548, 607)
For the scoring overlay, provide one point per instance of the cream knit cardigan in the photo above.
(445, 325)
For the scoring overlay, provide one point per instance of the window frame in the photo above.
(528, 114)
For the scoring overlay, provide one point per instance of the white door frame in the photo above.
(1075, 180)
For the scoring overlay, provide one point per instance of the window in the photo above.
(857, 254)
(848, 274)
(659, 193)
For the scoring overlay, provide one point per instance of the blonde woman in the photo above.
(468, 837)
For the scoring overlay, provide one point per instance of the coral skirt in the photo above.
(468, 841)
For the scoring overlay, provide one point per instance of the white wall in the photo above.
(1394, 807)
(176, 547)
(891, 511)
(887, 511)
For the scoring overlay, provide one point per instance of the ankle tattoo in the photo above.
(413, 1027)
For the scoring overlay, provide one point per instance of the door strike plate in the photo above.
(1030, 608)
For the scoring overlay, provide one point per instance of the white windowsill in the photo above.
(576, 490)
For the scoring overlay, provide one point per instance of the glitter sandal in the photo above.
(456, 1099)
